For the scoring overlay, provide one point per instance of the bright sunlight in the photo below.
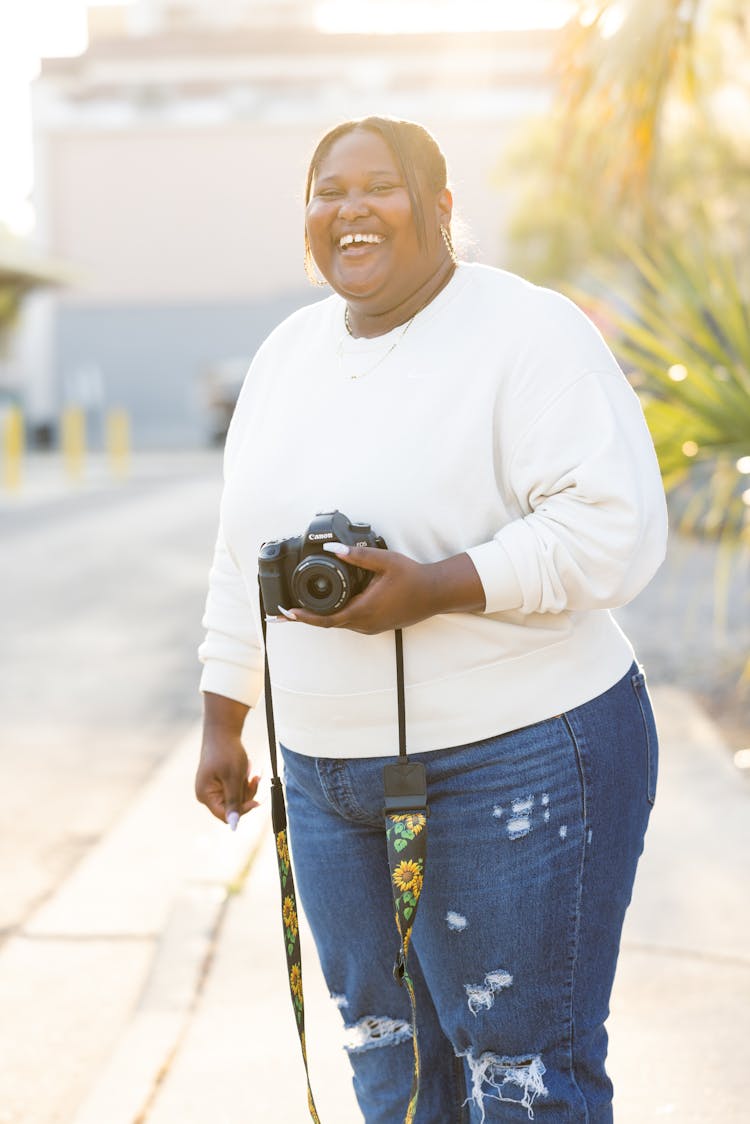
(389, 16)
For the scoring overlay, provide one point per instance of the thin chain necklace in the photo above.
(382, 359)
(397, 341)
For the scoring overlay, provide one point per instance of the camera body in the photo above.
(299, 572)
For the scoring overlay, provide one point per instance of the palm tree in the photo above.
(594, 168)
(619, 62)
(683, 332)
(676, 261)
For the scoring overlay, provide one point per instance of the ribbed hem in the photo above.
(481, 703)
(502, 589)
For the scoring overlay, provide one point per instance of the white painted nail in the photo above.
(336, 547)
(233, 818)
(289, 615)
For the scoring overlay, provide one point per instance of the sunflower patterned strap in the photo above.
(289, 913)
(291, 928)
(406, 837)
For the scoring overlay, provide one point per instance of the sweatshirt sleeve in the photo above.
(594, 525)
(231, 654)
(232, 651)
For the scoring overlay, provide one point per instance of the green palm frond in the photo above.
(618, 61)
(683, 332)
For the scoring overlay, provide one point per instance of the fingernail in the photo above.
(336, 547)
(233, 818)
(289, 615)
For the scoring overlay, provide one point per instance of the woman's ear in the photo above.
(444, 205)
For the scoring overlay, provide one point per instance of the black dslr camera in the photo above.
(299, 572)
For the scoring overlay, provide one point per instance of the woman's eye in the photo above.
(380, 187)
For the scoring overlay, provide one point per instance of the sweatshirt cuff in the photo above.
(233, 681)
(502, 589)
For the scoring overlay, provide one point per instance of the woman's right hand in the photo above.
(223, 782)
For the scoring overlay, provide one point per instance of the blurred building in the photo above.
(170, 162)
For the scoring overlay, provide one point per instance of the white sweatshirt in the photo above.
(498, 424)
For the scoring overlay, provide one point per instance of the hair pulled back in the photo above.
(415, 151)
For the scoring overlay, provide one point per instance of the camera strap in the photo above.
(289, 913)
(405, 811)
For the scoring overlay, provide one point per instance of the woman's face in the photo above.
(361, 228)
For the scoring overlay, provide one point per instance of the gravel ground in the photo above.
(691, 628)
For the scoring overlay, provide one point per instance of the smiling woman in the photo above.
(484, 430)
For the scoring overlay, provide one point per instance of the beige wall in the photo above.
(187, 213)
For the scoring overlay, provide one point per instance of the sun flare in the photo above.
(392, 16)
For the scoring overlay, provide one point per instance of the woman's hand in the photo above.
(223, 782)
(401, 592)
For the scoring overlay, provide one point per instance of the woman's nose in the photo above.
(353, 206)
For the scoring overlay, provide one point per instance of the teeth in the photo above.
(349, 239)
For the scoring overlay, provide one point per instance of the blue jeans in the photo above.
(534, 837)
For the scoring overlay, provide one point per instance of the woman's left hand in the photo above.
(401, 591)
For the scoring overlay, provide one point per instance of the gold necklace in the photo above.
(394, 345)
(382, 359)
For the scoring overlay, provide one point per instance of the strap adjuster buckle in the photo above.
(405, 787)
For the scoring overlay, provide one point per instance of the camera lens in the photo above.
(320, 584)
(320, 587)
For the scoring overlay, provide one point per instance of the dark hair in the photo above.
(415, 151)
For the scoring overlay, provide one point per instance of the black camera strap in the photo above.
(405, 811)
(289, 912)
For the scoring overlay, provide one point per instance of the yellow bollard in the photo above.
(12, 448)
(73, 437)
(118, 441)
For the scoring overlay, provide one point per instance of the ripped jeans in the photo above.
(534, 837)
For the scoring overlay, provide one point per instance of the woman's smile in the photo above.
(348, 242)
(360, 246)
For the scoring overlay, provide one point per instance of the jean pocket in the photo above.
(649, 730)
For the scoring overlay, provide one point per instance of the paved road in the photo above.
(101, 593)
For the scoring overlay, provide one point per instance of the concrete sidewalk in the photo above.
(46, 481)
(146, 993)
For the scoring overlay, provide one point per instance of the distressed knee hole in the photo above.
(513, 1080)
(482, 996)
(374, 1031)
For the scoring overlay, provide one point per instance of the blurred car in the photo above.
(221, 386)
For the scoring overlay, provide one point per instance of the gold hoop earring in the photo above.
(449, 244)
